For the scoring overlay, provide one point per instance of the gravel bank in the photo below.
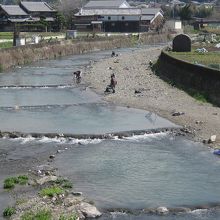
(152, 93)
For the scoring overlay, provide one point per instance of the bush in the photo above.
(10, 182)
(51, 191)
(40, 215)
(22, 180)
(9, 211)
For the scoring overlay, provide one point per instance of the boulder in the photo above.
(162, 210)
(212, 139)
(89, 211)
(46, 179)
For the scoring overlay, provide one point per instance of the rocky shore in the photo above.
(138, 87)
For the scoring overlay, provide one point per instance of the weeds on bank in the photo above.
(40, 215)
(71, 217)
(10, 182)
(198, 96)
(51, 191)
(9, 211)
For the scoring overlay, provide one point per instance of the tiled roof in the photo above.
(104, 4)
(147, 17)
(37, 6)
(13, 10)
(150, 11)
(121, 11)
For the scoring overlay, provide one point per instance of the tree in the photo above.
(185, 13)
(44, 22)
(60, 21)
(68, 8)
(203, 12)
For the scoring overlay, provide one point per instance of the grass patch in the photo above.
(51, 191)
(199, 58)
(68, 217)
(199, 96)
(10, 182)
(22, 180)
(6, 45)
(6, 35)
(40, 215)
(9, 211)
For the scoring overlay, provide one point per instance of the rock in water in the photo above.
(89, 211)
(46, 179)
(162, 210)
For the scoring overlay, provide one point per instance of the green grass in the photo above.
(40, 215)
(68, 217)
(209, 58)
(6, 35)
(199, 96)
(6, 45)
(10, 182)
(51, 191)
(9, 211)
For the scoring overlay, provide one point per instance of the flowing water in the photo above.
(133, 173)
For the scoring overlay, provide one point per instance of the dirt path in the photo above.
(152, 93)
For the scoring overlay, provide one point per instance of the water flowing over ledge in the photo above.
(113, 135)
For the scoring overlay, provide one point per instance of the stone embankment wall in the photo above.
(190, 77)
(27, 54)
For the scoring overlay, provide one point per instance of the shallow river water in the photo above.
(134, 173)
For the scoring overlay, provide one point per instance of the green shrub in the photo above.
(10, 182)
(9, 211)
(40, 215)
(22, 180)
(200, 97)
(51, 191)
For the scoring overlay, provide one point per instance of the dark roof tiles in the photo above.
(37, 6)
(13, 10)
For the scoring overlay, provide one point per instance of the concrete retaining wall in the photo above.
(189, 76)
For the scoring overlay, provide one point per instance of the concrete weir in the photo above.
(122, 134)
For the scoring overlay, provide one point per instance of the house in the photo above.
(116, 16)
(11, 14)
(39, 10)
(25, 15)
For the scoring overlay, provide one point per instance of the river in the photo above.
(136, 173)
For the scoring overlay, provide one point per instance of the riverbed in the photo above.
(119, 173)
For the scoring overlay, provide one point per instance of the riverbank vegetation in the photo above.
(10, 182)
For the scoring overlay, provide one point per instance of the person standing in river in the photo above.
(113, 83)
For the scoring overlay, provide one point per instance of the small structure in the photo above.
(182, 43)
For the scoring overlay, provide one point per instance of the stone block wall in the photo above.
(190, 76)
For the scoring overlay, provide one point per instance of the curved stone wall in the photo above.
(189, 76)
